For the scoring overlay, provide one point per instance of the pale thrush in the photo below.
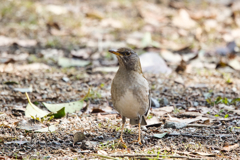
(130, 89)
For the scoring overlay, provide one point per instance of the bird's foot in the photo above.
(121, 140)
(121, 143)
(138, 141)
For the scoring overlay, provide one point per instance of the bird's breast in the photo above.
(129, 106)
(133, 102)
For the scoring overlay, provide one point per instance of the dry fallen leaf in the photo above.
(183, 20)
(230, 148)
(163, 110)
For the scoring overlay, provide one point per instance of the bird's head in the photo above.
(128, 59)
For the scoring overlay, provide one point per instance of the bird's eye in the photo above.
(127, 53)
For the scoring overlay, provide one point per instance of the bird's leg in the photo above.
(123, 123)
(139, 130)
(139, 133)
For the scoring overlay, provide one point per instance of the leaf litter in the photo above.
(200, 94)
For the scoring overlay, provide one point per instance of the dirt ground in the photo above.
(57, 52)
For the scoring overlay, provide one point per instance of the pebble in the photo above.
(195, 104)
(164, 101)
(238, 123)
(175, 125)
(42, 142)
(33, 156)
(154, 103)
(144, 128)
(46, 157)
(56, 143)
(86, 145)
(100, 137)
(49, 143)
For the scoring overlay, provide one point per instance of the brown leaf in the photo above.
(230, 148)
(181, 67)
(97, 110)
(163, 110)
(183, 20)
(94, 15)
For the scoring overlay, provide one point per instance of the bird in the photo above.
(130, 91)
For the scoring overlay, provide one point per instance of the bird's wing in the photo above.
(149, 99)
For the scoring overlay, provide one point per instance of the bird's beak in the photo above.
(114, 51)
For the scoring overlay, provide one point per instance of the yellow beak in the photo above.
(114, 51)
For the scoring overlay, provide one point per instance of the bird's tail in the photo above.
(136, 121)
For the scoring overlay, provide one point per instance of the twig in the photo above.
(188, 135)
(103, 156)
(198, 125)
(148, 155)
(199, 136)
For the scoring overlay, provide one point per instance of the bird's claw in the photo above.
(138, 141)
(121, 143)
(121, 140)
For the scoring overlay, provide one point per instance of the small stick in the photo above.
(145, 155)
(103, 156)
(198, 125)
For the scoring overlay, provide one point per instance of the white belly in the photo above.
(129, 107)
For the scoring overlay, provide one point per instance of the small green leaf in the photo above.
(216, 115)
(235, 100)
(61, 113)
(226, 116)
(38, 119)
(218, 100)
(51, 118)
(209, 101)
(149, 116)
(225, 101)
(36, 103)
(102, 85)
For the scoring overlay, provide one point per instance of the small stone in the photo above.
(55, 143)
(46, 157)
(78, 136)
(144, 128)
(164, 101)
(49, 143)
(42, 142)
(65, 79)
(195, 104)
(79, 143)
(100, 137)
(102, 152)
(86, 145)
(238, 123)
(34, 156)
(174, 125)
(154, 103)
